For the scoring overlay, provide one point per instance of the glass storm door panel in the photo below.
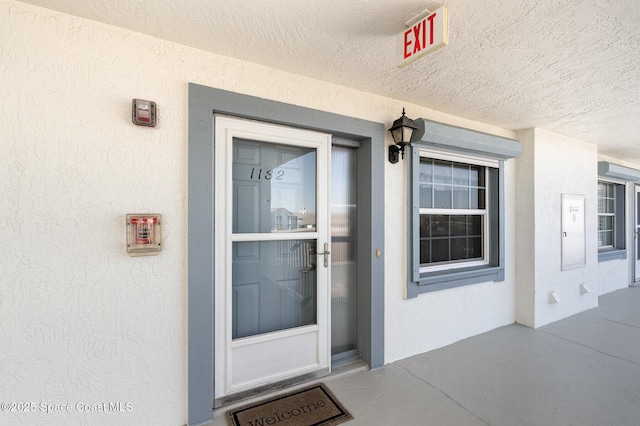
(271, 285)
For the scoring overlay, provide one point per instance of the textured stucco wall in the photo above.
(525, 230)
(614, 274)
(563, 166)
(82, 322)
(552, 165)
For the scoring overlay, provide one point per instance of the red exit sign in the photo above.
(424, 36)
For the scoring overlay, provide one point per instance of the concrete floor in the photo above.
(584, 370)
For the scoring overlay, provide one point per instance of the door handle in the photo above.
(326, 254)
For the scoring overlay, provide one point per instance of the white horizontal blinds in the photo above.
(344, 220)
(606, 214)
(453, 211)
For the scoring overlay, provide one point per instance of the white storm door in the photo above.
(272, 275)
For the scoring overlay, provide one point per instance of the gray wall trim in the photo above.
(458, 139)
(620, 225)
(610, 170)
(200, 258)
(414, 218)
(203, 102)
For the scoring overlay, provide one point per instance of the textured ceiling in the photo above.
(569, 66)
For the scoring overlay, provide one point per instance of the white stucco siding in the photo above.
(81, 320)
(614, 274)
(525, 230)
(563, 166)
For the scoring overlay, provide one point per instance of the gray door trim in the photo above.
(634, 240)
(203, 102)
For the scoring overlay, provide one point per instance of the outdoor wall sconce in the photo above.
(401, 132)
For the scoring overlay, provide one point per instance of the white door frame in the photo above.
(307, 350)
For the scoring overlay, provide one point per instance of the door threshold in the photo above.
(222, 405)
(270, 388)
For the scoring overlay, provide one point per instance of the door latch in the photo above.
(326, 254)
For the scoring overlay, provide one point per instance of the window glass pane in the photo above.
(426, 196)
(425, 252)
(475, 248)
(458, 226)
(425, 230)
(477, 199)
(442, 197)
(461, 198)
(450, 237)
(610, 190)
(461, 174)
(459, 249)
(605, 238)
(440, 250)
(606, 205)
(602, 189)
(442, 172)
(426, 170)
(605, 223)
(439, 226)
(475, 225)
(476, 176)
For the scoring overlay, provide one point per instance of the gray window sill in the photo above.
(442, 280)
(612, 254)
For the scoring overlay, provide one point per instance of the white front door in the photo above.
(272, 268)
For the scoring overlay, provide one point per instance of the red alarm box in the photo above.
(144, 234)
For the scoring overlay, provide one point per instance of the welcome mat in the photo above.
(312, 406)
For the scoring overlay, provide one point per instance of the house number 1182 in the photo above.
(260, 174)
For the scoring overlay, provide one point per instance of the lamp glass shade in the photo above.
(406, 133)
(397, 134)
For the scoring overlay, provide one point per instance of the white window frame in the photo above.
(618, 249)
(462, 272)
(473, 161)
(612, 215)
